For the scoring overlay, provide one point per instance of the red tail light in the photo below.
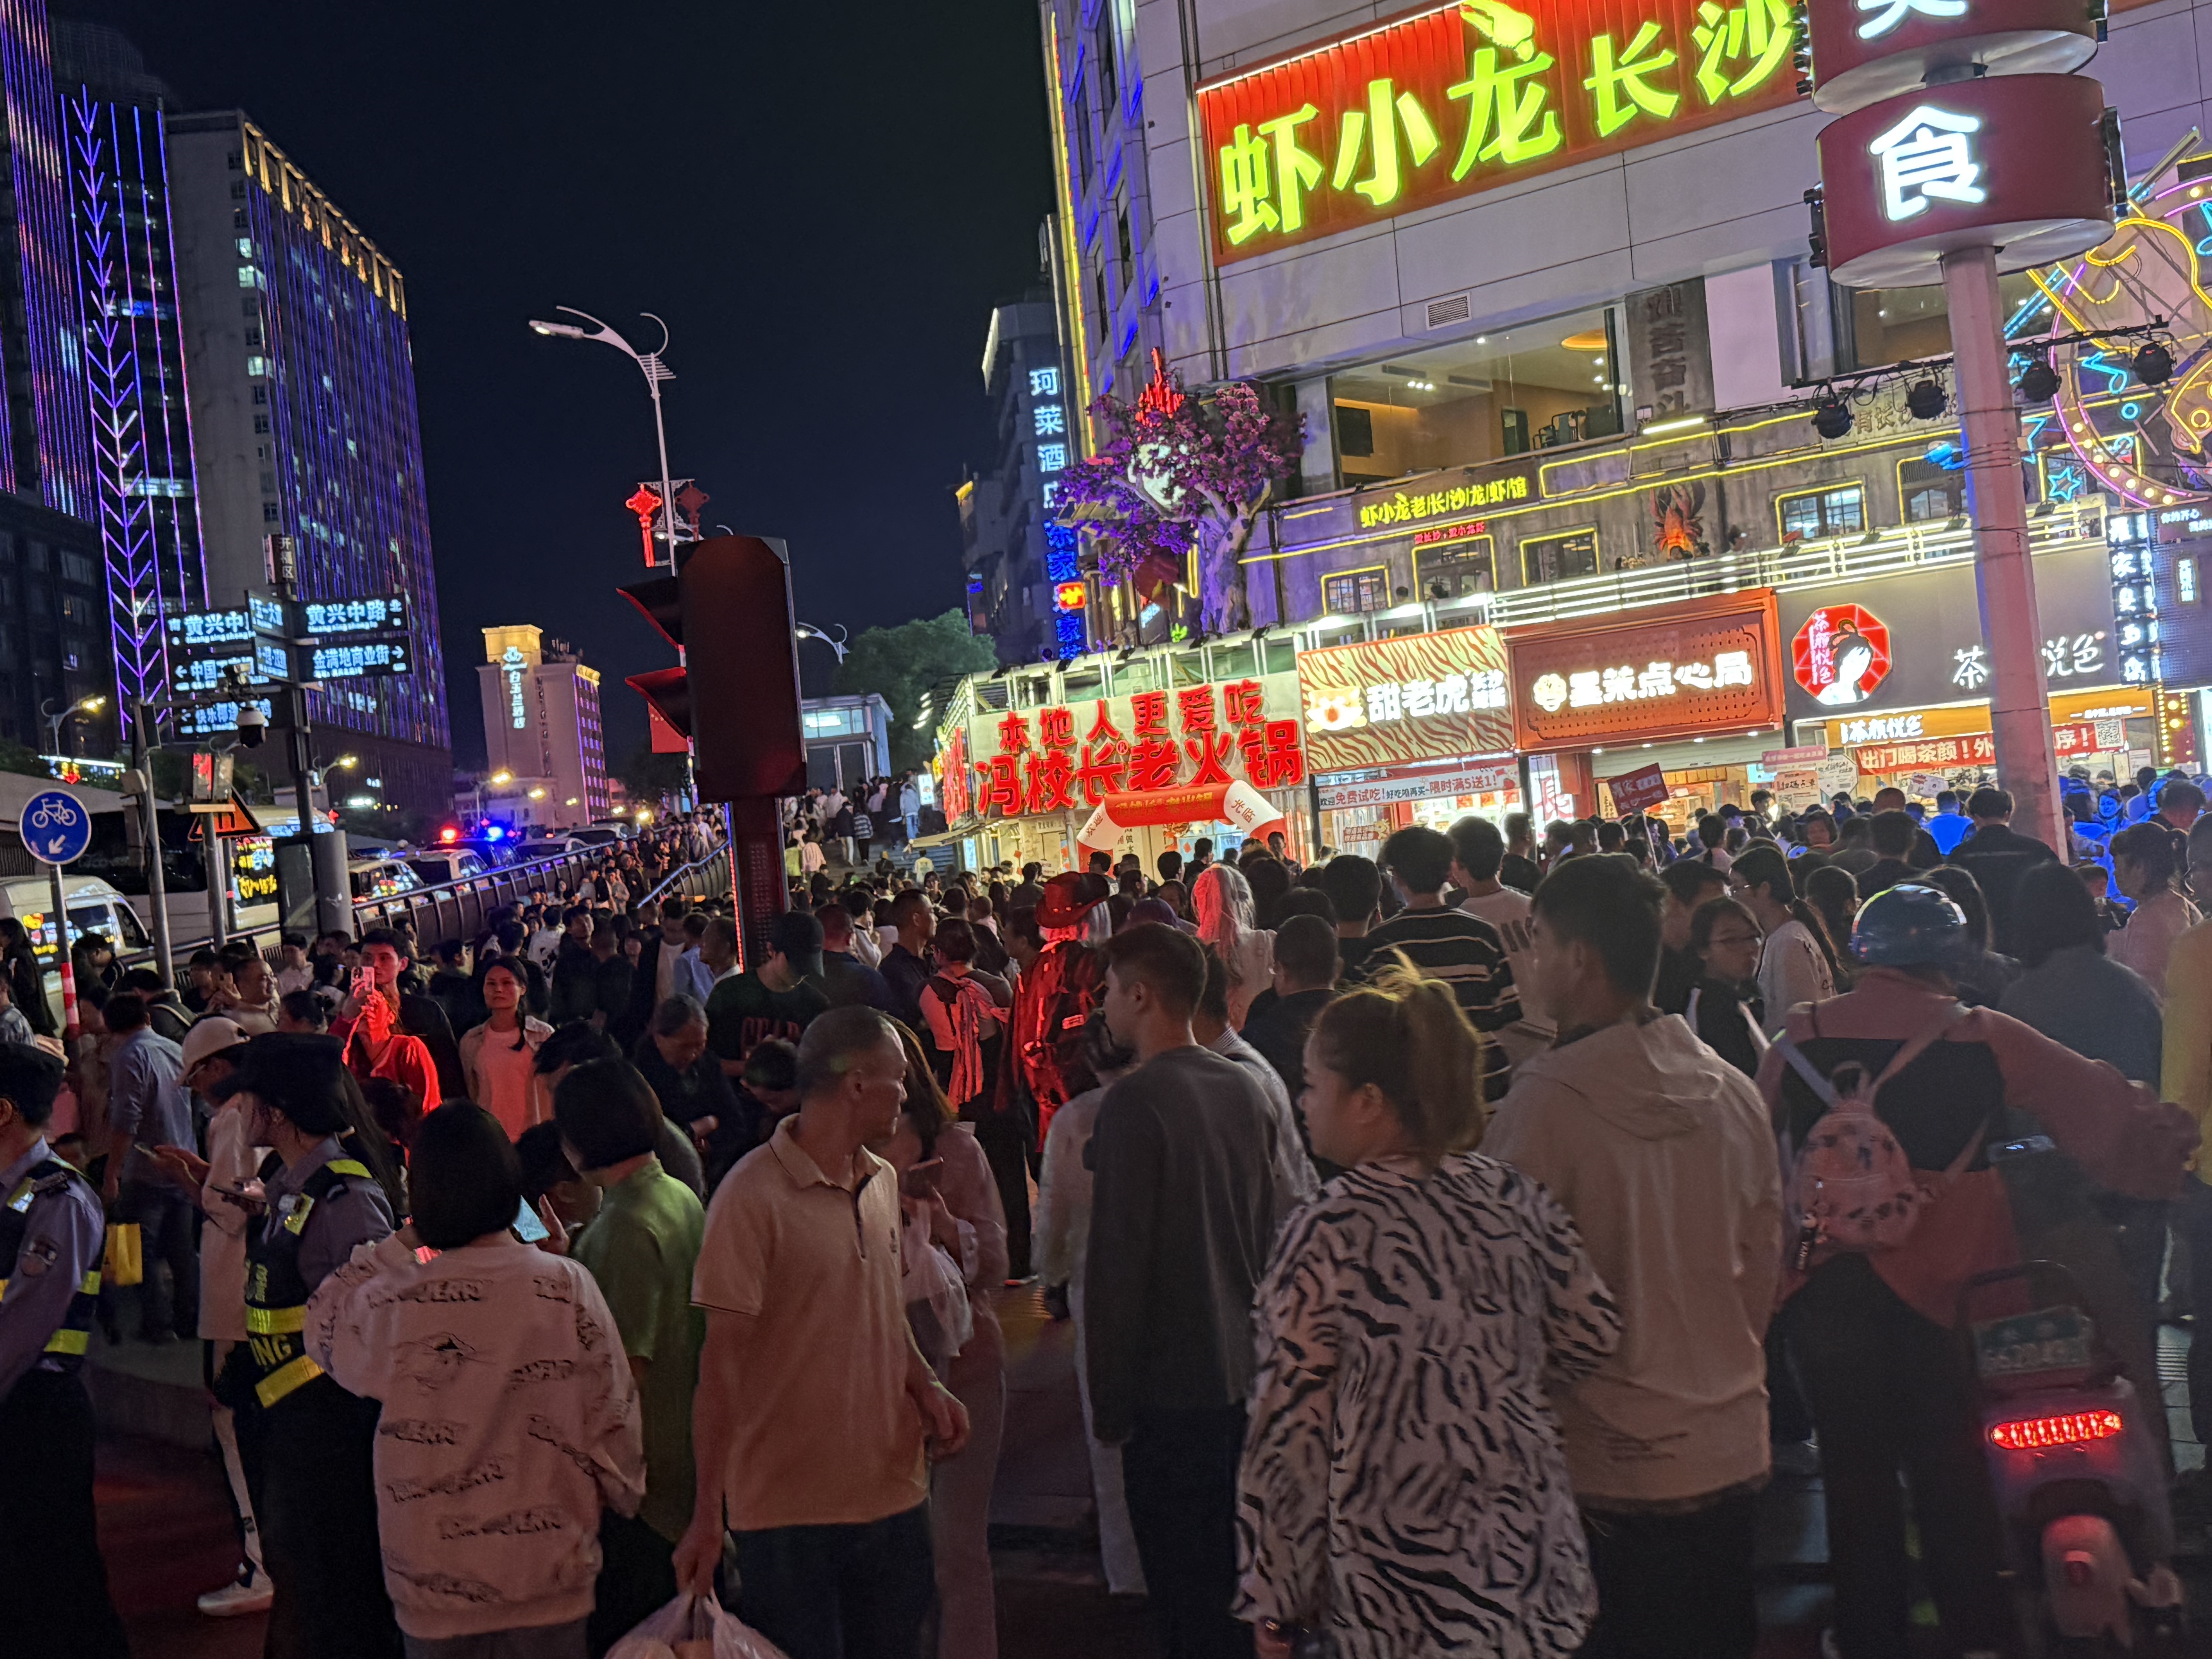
(2040, 1433)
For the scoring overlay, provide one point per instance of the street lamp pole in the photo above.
(655, 371)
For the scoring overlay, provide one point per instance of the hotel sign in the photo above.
(1446, 101)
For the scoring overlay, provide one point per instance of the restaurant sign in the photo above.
(1699, 668)
(1422, 696)
(1070, 758)
(1451, 99)
(1498, 778)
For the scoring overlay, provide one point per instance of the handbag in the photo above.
(122, 1260)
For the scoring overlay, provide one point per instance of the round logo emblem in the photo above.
(1550, 692)
(1841, 654)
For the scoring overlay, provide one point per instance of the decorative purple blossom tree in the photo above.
(1176, 471)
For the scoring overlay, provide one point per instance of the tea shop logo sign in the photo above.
(1841, 654)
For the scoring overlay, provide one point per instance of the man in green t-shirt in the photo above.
(641, 1247)
(779, 999)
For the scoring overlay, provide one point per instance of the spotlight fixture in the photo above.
(2038, 381)
(1926, 401)
(1832, 417)
(2153, 364)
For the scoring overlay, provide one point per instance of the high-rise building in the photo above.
(131, 348)
(1016, 558)
(541, 717)
(303, 420)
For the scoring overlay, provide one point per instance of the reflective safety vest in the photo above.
(276, 1293)
(74, 1336)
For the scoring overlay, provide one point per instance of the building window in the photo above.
(1352, 593)
(1879, 326)
(1928, 492)
(261, 424)
(260, 394)
(269, 512)
(1818, 512)
(1532, 386)
(1454, 571)
(1559, 558)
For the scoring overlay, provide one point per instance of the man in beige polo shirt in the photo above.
(815, 1415)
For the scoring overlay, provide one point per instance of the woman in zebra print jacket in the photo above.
(1403, 1490)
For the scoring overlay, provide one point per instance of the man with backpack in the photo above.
(1888, 1099)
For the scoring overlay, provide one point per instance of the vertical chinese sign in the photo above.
(1450, 100)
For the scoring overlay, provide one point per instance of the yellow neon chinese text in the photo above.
(1620, 83)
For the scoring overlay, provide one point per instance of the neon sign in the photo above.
(1458, 98)
(1928, 154)
(1893, 12)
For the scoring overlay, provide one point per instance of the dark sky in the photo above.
(822, 201)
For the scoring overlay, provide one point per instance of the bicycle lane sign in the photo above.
(56, 827)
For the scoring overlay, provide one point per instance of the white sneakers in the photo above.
(250, 1592)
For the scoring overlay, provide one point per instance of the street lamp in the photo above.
(56, 721)
(654, 371)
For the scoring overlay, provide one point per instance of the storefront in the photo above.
(1693, 689)
(1893, 673)
(1410, 730)
(1142, 771)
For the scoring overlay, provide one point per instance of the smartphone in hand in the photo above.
(923, 1180)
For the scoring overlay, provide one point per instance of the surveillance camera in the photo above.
(253, 726)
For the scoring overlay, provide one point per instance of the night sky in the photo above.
(823, 202)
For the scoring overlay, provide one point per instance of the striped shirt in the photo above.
(1467, 954)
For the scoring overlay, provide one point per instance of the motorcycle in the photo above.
(2075, 1456)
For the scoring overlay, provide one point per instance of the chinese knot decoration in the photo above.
(645, 503)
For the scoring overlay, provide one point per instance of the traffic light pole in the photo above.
(2019, 715)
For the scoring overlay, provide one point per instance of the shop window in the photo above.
(2184, 580)
(1928, 491)
(1142, 675)
(1232, 662)
(1532, 386)
(1353, 592)
(1082, 684)
(1454, 572)
(1879, 325)
(1557, 558)
(1281, 656)
(1820, 512)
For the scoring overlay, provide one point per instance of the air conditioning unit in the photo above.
(1443, 313)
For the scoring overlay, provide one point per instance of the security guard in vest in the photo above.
(53, 1585)
(308, 1445)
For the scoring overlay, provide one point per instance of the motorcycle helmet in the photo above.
(1909, 926)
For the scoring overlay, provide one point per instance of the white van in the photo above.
(93, 908)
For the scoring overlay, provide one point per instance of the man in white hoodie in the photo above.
(1662, 1152)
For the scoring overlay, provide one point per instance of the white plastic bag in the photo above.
(936, 1298)
(694, 1628)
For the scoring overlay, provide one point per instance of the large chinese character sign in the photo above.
(2014, 162)
(1864, 51)
(1450, 100)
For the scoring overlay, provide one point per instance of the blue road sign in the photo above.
(56, 827)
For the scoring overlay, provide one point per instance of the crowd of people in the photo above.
(1430, 1225)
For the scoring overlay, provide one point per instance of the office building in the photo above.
(131, 347)
(303, 420)
(541, 718)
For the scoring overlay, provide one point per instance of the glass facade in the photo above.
(344, 444)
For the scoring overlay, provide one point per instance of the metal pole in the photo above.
(1996, 498)
(218, 889)
(157, 881)
(62, 953)
(661, 436)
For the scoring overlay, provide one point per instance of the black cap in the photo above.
(31, 1077)
(298, 1072)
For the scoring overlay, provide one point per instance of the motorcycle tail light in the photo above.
(2040, 1433)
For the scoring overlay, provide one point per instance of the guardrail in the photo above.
(460, 909)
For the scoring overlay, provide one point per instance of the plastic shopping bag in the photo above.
(123, 1263)
(694, 1628)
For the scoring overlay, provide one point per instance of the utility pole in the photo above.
(157, 893)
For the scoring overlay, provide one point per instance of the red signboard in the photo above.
(1972, 749)
(1638, 791)
(1840, 654)
(1698, 669)
(2015, 161)
(1070, 759)
(1454, 99)
(1865, 49)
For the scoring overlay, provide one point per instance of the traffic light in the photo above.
(736, 697)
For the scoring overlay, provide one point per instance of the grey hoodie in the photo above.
(1662, 1152)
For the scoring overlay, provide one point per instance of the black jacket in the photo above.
(1996, 855)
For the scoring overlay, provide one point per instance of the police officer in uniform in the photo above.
(307, 1443)
(53, 1585)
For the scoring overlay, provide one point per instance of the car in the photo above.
(596, 835)
(380, 875)
(95, 906)
(440, 865)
